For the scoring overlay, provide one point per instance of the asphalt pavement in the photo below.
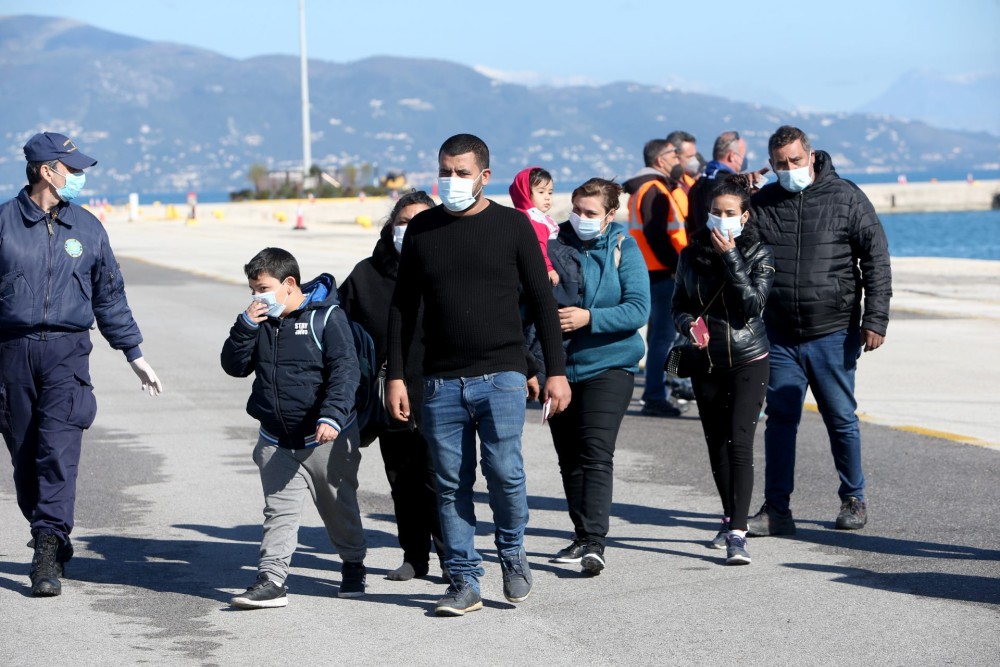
(169, 510)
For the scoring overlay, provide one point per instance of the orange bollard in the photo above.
(299, 219)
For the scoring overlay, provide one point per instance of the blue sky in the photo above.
(830, 56)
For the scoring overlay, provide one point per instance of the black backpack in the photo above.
(369, 401)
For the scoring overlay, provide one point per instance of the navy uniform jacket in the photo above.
(58, 274)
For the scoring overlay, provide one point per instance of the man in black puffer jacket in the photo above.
(829, 249)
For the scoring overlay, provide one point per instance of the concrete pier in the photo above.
(927, 197)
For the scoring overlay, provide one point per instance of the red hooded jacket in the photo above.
(520, 196)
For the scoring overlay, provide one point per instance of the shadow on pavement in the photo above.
(202, 568)
(862, 541)
(948, 586)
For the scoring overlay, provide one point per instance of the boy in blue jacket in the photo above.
(297, 341)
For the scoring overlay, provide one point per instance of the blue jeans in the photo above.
(660, 335)
(827, 365)
(454, 411)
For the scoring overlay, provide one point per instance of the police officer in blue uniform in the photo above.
(57, 276)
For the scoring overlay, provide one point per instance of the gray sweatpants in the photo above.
(330, 474)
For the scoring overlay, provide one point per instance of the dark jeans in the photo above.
(46, 402)
(584, 436)
(729, 402)
(825, 364)
(410, 473)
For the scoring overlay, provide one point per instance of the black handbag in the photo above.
(684, 358)
(681, 360)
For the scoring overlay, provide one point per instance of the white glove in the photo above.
(149, 380)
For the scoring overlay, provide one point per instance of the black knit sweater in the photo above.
(469, 271)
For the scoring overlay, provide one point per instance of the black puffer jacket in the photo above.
(828, 244)
(366, 296)
(296, 384)
(734, 318)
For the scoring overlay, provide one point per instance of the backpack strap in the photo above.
(312, 325)
(618, 250)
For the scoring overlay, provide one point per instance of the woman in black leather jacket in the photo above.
(724, 276)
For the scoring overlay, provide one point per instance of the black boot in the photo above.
(63, 555)
(45, 567)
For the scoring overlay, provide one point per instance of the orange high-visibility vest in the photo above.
(687, 182)
(674, 222)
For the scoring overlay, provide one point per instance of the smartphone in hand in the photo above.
(699, 332)
(546, 408)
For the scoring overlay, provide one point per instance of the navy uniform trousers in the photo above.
(46, 402)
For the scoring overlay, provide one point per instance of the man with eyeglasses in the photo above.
(729, 156)
(57, 275)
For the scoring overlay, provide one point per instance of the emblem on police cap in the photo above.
(74, 248)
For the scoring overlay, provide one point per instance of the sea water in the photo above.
(959, 234)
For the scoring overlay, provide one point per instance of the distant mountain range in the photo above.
(970, 102)
(161, 117)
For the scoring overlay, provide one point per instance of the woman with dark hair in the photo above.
(602, 355)
(365, 296)
(723, 279)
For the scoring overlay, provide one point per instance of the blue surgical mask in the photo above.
(586, 228)
(398, 233)
(74, 184)
(458, 194)
(274, 309)
(795, 180)
(726, 225)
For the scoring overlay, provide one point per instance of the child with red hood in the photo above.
(531, 192)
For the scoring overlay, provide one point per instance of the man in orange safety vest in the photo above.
(657, 209)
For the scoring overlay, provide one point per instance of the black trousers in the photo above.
(584, 436)
(46, 402)
(410, 472)
(729, 404)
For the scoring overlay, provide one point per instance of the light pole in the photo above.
(304, 68)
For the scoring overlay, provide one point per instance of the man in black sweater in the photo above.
(829, 251)
(468, 260)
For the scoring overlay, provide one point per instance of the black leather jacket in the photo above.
(735, 318)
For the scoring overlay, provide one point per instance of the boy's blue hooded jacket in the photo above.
(617, 298)
(297, 384)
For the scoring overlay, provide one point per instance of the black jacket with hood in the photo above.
(297, 381)
(735, 317)
(829, 247)
(366, 296)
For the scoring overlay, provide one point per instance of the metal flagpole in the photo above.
(304, 67)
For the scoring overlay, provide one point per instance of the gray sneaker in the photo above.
(460, 599)
(264, 594)
(719, 541)
(853, 514)
(516, 576)
(769, 522)
(736, 551)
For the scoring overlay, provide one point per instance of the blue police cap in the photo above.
(47, 146)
